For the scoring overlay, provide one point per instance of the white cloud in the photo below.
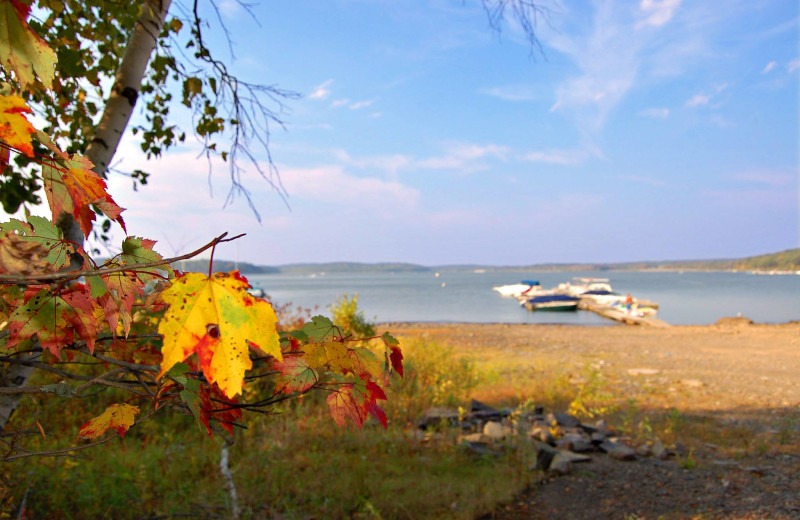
(464, 157)
(321, 91)
(657, 13)
(769, 67)
(375, 115)
(793, 65)
(563, 157)
(698, 100)
(340, 102)
(361, 104)
(332, 184)
(654, 113)
(512, 92)
(702, 99)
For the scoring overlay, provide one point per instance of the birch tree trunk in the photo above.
(100, 151)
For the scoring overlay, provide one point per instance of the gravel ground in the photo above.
(744, 377)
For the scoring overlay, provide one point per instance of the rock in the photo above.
(496, 430)
(618, 451)
(643, 371)
(436, 417)
(692, 383)
(541, 433)
(644, 450)
(480, 448)
(544, 455)
(484, 412)
(477, 437)
(659, 451)
(560, 465)
(563, 419)
(574, 442)
(574, 457)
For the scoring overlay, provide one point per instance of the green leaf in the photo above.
(320, 329)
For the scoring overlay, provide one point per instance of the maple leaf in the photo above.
(121, 292)
(21, 256)
(117, 416)
(22, 50)
(294, 374)
(355, 401)
(15, 130)
(72, 187)
(216, 319)
(42, 231)
(396, 355)
(137, 250)
(55, 318)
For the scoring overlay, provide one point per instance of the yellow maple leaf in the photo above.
(15, 130)
(22, 50)
(117, 416)
(216, 319)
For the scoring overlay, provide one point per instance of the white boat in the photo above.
(516, 290)
(581, 285)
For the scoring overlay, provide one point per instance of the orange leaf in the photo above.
(72, 187)
(15, 130)
(116, 416)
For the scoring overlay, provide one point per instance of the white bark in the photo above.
(100, 151)
(128, 81)
(230, 486)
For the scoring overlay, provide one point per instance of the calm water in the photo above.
(686, 299)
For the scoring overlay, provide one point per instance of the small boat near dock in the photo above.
(552, 302)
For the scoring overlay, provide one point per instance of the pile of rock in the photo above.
(560, 439)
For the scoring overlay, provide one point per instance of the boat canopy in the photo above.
(530, 282)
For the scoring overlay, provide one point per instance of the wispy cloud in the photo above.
(657, 13)
(703, 98)
(563, 157)
(512, 92)
(654, 113)
(465, 158)
(793, 65)
(340, 102)
(769, 67)
(321, 91)
(358, 105)
(333, 184)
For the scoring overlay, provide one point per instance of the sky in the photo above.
(642, 130)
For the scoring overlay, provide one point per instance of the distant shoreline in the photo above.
(784, 262)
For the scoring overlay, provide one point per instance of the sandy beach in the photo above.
(733, 365)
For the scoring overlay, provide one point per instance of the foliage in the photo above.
(351, 320)
(161, 339)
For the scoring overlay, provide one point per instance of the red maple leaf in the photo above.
(54, 318)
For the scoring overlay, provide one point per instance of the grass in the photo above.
(296, 464)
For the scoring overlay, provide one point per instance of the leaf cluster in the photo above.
(166, 340)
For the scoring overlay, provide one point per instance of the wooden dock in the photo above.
(621, 316)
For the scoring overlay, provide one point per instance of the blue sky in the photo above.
(646, 130)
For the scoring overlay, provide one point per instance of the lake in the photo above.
(685, 298)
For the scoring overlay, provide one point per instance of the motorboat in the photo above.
(552, 302)
(525, 287)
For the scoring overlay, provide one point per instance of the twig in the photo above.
(61, 276)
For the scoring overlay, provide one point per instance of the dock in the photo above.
(612, 313)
